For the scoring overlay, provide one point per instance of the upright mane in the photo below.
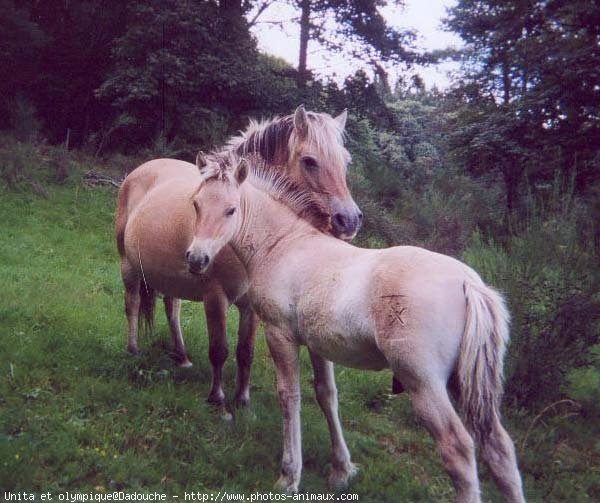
(271, 138)
(217, 166)
(282, 189)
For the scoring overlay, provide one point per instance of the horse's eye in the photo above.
(230, 212)
(310, 162)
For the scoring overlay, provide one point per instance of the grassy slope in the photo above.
(78, 413)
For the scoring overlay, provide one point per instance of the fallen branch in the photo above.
(94, 178)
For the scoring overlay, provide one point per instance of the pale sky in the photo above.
(424, 16)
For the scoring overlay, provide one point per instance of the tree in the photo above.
(529, 89)
(181, 68)
(70, 54)
(353, 27)
(20, 42)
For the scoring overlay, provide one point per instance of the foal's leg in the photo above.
(284, 351)
(245, 351)
(432, 404)
(215, 307)
(326, 393)
(131, 281)
(173, 310)
(498, 452)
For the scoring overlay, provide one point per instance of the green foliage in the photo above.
(550, 276)
(583, 384)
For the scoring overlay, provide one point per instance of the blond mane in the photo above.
(273, 138)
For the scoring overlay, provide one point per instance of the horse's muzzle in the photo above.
(346, 223)
(198, 262)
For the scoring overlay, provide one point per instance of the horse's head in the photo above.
(216, 203)
(318, 161)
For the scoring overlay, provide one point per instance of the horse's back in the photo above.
(141, 180)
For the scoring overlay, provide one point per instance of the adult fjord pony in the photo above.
(427, 316)
(154, 228)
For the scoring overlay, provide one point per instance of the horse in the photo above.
(428, 317)
(151, 231)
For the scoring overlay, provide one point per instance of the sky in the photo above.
(424, 16)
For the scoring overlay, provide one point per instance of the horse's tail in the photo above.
(121, 217)
(147, 303)
(481, 359)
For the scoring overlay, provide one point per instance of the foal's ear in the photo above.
(341, 119)
(241, 171)
(200, 161)
(301, 122)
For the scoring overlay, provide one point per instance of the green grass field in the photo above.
(77, 413)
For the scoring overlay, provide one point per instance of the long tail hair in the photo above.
(147, 303)
(481, 360)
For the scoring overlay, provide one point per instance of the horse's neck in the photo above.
(265, 222)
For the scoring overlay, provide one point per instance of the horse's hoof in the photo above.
(286, 484)
(242, 400)
(226, 416)
(217, 399)
(185, 364)
(133, 350)
(339, 478)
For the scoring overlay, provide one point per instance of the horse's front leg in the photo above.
(215, 307)
(342, 468)
(245, 350)
(284, 351)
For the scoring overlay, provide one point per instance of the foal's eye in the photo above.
(309, 162)
(230, 212)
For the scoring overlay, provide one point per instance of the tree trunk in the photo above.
(506, 82)
(512, 177)
(304, 36)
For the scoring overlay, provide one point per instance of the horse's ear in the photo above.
(341, 119)
(241, 171)
(301, 122)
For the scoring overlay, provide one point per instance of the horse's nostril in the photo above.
(339, 220)
(205, 260)
(360, 216)
(187, 255)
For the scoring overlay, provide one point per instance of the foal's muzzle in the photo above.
(198, 261)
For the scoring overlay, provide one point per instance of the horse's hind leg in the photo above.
(131, 281)
(215, 307)
(245, 351)
(343, 468)
(498, 452)
(284, 351)
(173, 310)
(433, 406)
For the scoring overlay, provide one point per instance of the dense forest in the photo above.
(502, 169)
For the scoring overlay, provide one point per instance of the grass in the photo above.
(77, 413)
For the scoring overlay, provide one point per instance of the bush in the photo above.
(583, 384)
(549, 273)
